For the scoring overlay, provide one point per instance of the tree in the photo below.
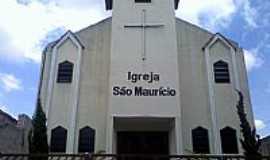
(251, 141)
(37, 137)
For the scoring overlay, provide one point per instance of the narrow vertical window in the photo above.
(65, 72)
(221, 71)
(58, 140)
(200, 140)
(86, 140)
(229, 140)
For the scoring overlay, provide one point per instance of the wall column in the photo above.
(216, 146)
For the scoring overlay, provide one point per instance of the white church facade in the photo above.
(143, 81)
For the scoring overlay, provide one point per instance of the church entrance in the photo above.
(144, 136)
(148, 143)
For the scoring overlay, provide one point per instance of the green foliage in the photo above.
(38, 135)
(251, 141)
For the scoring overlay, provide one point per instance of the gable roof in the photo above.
(109, 4)
(220, 36)
(50, 45)
(66, 35)
(266, 139)
(54, 43)
(8, 116)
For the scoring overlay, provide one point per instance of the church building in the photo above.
(143, 81)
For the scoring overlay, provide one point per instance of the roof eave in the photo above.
(208, 43)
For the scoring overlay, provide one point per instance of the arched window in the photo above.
(229, 140)
(65, 72)
(221, 70)
(200, 140)
(86, 140)
(58, 139)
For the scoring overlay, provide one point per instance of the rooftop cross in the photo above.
(144, 26)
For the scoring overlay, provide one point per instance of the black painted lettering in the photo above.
(116, 91)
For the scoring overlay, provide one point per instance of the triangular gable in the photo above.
(220, 37)
(68, 35)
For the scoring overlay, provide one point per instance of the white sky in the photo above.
(25, 25)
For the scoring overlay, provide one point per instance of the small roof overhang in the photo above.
(219, 36)
(68, 34)
(109, 4)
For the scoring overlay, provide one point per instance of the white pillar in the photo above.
(216, 146)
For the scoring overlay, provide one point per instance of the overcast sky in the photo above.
(26, 26)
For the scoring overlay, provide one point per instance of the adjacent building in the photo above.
(143, 81)
(265, 147)
(14, 133)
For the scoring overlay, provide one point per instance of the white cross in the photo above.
(144, 26)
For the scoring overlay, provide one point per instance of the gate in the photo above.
(122, 157)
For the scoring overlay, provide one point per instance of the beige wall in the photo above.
(194, 84)
(158, 45)
(93, 101)
(45, 69)
(63, 95)
(94, 88)
(193, 80)
(92, 85)
(225, 96)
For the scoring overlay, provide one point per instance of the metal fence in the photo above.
(123, 157)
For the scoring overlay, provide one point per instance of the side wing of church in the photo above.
(144, 82)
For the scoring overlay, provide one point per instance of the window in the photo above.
(222, 74)
(142, 1)
(65, 72)
(200, 140)
(87, 140)
(229, 140)
(58, 140)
